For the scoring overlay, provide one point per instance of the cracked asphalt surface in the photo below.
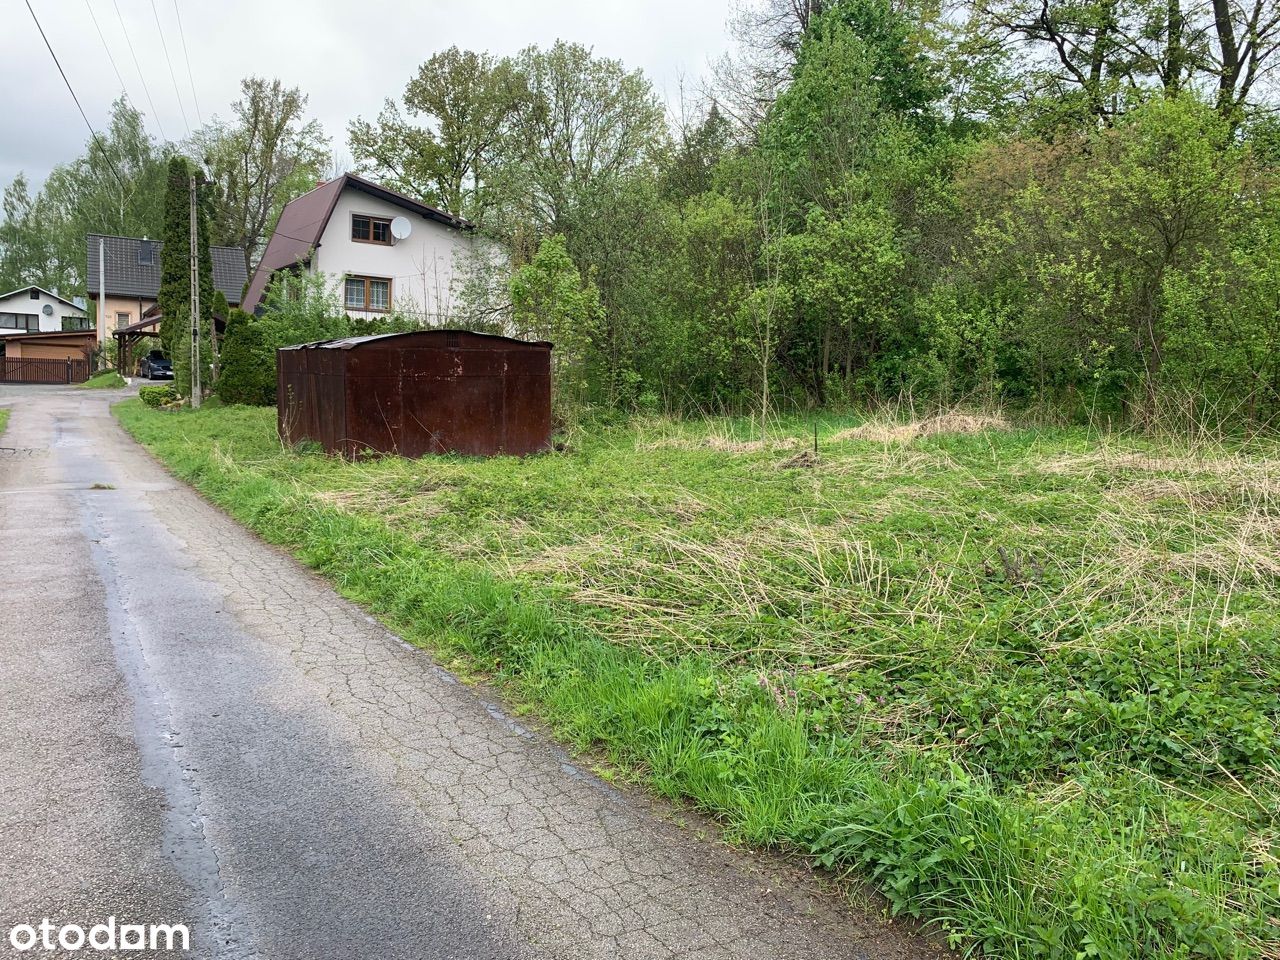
(197, 730)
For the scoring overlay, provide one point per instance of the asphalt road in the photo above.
(196, 730)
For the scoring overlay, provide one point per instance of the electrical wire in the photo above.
(172, 76)
(107, 47)
(92, 132)
(137, 66)
(190, 79)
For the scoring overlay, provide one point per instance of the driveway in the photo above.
(199, 731)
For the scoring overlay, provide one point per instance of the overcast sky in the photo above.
(347, 55)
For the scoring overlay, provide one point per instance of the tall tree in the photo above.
(174, 297)
(25, 246)
(264, 156)
(582, 119)
(444, 141)
(767, 34)
(1106, 54)
(116, 187)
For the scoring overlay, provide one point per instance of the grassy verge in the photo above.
(1027, 682)
(4, 418)
(104, 380)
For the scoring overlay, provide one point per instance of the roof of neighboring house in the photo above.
(47, 293)
(303, 220)
(52, 335)
(128, 277)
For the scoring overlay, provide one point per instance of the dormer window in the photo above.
(366, 229)
(146, 253)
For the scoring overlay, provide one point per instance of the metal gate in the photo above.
(16, 370)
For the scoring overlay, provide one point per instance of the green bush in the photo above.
(158, 396)
(247, 372)
(105, 379)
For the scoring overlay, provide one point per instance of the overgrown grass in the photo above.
(1026, 681)
(104, 380)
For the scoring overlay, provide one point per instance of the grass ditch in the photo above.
(1024, 681)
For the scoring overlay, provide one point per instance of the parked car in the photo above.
(156, 366)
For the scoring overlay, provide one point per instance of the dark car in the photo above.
(156, 366)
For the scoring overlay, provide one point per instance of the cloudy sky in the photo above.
(347, 55)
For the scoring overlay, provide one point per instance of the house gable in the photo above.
(305, 222)
(420, 267)
(36, 310)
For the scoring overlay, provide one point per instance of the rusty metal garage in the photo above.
(410, 394)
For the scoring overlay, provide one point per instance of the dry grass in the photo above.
(884, 431)
(721, 444)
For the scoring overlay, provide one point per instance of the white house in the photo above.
(384, 251)
(36, 310)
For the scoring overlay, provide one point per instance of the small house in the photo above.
(385, 252)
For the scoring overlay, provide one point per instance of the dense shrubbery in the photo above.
(297, 309)
(157, 396)
(247, 363)
(897, 214)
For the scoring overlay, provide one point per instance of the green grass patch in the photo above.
(4, 418)
(1026, 681)
(104, 380)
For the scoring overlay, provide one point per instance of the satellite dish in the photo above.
(47, 310)
(401, 228)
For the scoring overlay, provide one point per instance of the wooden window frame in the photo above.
(372, 220)
(367, 280)
(28, 319)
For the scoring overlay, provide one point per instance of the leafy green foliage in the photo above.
(174, 297)
(247, 363)
(264, 156)
(115, 188)
(158, 395)
(302, 309)
(445, 142)
(550, 301)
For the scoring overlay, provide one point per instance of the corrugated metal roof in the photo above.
(128, 276)
(303, 220)
(347, 343)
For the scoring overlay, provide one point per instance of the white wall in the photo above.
(421, 268)
(21, 302)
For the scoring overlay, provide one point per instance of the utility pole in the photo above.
(102, 295)
(195, 303)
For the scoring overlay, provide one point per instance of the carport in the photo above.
(149, 326)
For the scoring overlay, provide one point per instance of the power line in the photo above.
(92, 132)
(172, 76)
(187, 57)
(106, 47)
(137, 66)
